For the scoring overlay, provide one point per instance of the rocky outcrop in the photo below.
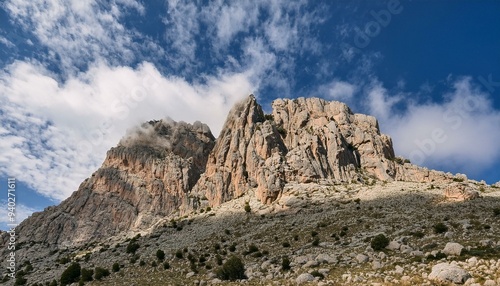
(146, 177)
(247, 154)
(461, 192)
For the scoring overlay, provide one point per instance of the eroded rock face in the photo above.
(247, 154)
(146, 177)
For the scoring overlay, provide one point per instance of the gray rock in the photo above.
(446, 272)
(361, 258)
(304, 277)
(453, 248)
(393, 245)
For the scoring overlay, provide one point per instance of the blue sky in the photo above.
(75, 75)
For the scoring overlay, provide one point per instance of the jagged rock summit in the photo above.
(166, 168)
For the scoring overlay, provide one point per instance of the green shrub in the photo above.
(166, 265)
(247, 207)
(142, 263)
(71, 274)
(232, 269)
(218, 259)
(115, 267)
(496, 211)
(232, 248)
(20, 280)
(100, 273)
(160, 254)
(285, 263)
(53, 283)
(252, 248)
(154, 264)
(86, 275)
(316, 273)
(286, 244)
(315, 241)
(132, 247)
(314, 233)
(178, 254)
(440, 228)
(379, 242)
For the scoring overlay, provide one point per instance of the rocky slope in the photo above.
(145, 178)
(165, 170)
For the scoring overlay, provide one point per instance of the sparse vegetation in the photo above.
(100, 273)
(86, 275)
(115, 267)
(285, 264)
(71, 274)
(160, 254)
(379, 242)
(247, 207)
(440, 228)
(233, 269)
(132, 247)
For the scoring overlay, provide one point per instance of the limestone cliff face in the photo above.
(146, 177)
(165, 167)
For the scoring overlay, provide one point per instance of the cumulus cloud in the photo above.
(55, 134)
(57, 127)
(459, 133)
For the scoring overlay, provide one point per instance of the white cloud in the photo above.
(460, 133)
(56, 134)
(338, 90)
(6, 42)
(21, 213)
(78, 32)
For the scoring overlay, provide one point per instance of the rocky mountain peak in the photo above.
(165, 168)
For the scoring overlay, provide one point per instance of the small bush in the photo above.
(285, 263)
(178, 254)
(296, 237)
(166, 265)
(154, 264)
(496, 212)
(247, 207)
(87, 275)
(418, 234)
(20, 280)
(71, 274)
(315, 241)
(316, 273)
(132, 247)
(232, 248)
(142, 263)
(160, 254)
(286, 244)
(440, 228)
(115, 267)
(232, 269)
(379, 242)
(314, 233)
(218, 259)
(252, 248)
(100, 273)
(53, 283)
